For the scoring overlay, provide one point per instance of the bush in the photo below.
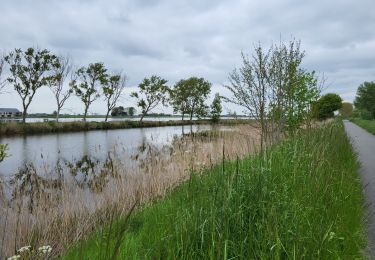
(326, 106)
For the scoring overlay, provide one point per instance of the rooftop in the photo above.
(12, 110)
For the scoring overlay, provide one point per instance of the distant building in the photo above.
(10, 113)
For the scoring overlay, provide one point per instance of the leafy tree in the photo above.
(365, 99)
(188, 97)
(326, 105)
(87, 82)
(118, 111)
(29, 72)
(131, 111)
(216, 108)
(346, 110)
(292, 88)
(61, 69)
(152, 92)
(113, 90)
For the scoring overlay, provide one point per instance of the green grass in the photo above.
(303, 201)
(369, 125)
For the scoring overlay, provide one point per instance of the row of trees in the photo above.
(187, 97)
(32, 69)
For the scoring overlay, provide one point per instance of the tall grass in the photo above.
(301, 200)
(369, 125)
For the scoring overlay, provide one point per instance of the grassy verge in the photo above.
(13, 128)
(369, 125)
(303, 200)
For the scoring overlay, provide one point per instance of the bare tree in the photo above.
(29, 72)
(250, 89)
(112, 91)
(60, 71)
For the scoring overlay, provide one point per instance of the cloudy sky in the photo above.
(179, 39)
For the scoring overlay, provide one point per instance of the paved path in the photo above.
(364, 143)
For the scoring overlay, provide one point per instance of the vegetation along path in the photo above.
(364, 143)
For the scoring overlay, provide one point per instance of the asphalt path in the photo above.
(364, 144)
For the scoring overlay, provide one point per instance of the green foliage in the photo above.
(326, 105)
(118, 111)
(346, 110)
(131, 111)
(188, 97)
(152, 92)
(3, 151)
(293, 205)
(216, 108)
(87, 83)
(29, 72)
(365, 99)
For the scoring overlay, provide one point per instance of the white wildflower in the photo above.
(45, 249)
(24, 249)
(14, 257)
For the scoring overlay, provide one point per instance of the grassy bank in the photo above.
(303, 200)
(14, 128)
(369, 125)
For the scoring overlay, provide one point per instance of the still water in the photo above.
(43, 151)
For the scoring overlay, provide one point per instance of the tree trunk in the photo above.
(57, 114)
(183, 116)
(24, 117)
(191, 116)
(85, 114)
(143, 115)
(24, 113)
(106, 116)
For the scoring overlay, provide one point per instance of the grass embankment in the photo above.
(369, 125)
(303, 201)
(14, 128)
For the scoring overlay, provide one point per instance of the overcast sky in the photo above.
(179, 39)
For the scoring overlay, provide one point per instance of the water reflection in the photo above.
(44, 150)
(84, 160)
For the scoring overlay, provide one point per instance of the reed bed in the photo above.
(15, 128)
(65, 204)
(300, 200)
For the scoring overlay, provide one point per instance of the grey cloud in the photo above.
(178, 39)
